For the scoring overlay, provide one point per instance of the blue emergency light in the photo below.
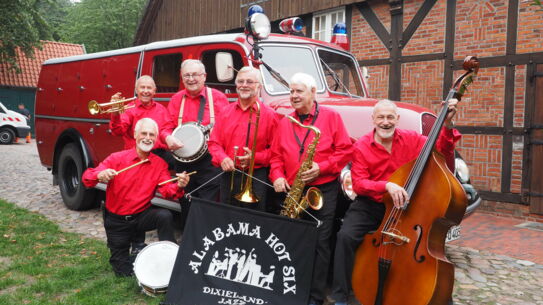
(340, 28)
(255, 9)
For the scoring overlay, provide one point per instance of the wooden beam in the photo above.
(417, 20)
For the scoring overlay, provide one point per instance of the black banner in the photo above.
(231, 255)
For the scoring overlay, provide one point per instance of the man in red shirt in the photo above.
(236, 128)
(377, 155)
(195, 103)
(333, 152)
(128, 209)
(123, 125)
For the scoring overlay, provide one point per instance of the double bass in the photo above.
(404, 261)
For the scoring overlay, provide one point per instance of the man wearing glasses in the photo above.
(195, 103)
(236, 128)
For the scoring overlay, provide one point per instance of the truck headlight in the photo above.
(462, 170)
(347, 183)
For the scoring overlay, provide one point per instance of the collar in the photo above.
(311, 112)
(133, 155)
(139, 104)
(398, 136)
(201, 93)
(238, 105)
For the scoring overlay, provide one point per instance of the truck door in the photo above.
(163, 65)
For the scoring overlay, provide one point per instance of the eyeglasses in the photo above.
(249, 82)
(194, 75)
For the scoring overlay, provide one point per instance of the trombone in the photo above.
(111, 107)
(247, 195)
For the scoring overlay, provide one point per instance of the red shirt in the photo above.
(231, 130)
(333, 150)
(373, 164)
(131, 191)
(124, 124)
(190, 111)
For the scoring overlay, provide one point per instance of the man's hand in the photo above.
(173, 143)
(281, 185)
(451, 111)
(311, 174)
(227, 164)
(183, 180)
(116, 97)
(398, 194)
(106, 175)
(245, 159)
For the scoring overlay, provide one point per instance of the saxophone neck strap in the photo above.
(301, 144)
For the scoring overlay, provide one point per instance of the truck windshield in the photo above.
(288, 61)
(341, 73)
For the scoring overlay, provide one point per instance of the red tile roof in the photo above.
(31, 67)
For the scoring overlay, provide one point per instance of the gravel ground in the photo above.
(481, 277)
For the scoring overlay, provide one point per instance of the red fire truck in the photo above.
(70, 139)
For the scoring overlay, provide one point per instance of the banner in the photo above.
(231, 255)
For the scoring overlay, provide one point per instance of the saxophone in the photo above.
(292, 206)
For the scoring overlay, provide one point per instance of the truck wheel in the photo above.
(70, 169)
(6, 136)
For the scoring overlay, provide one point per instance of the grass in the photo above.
(41, 265)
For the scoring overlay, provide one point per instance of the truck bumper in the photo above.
(22, 131)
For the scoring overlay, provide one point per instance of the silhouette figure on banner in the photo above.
(239, 266)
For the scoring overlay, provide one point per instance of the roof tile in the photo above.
(31, 67)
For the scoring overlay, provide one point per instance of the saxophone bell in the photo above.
(313, 198)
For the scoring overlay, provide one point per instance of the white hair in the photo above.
(249, 69)
(145, 121)
(385, 103)
(145, 77)
(303, 79)
(193, 61)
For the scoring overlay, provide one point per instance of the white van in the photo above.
(12, 124)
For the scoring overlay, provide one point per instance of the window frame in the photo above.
(327, 31)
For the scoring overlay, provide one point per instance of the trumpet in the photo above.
(113, 106)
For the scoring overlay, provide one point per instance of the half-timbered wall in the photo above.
(414, 50)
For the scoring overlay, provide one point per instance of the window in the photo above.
(208, 59)
(341, 73)
(166, 72)
(323, 23)
(299, 59)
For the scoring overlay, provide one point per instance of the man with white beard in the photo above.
(129, 192)
(377, 155)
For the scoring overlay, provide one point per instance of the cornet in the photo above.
(114, 106)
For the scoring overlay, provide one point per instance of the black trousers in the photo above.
(259, 189)
(205, 172)
(120, 231)
(364, 215)
(324, 233)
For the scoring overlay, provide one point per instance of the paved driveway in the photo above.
(482, 277)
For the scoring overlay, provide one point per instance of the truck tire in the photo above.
(6, 136)
(70, 169)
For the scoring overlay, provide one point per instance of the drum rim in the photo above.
(148, 286)
(201, 152)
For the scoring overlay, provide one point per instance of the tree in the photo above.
(54, 12)
(103, 24)
(21, 26)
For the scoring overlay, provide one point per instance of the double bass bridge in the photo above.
(395, 237)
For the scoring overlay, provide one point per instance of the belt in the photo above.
(123, 217)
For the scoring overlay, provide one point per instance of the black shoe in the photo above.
(136, 248)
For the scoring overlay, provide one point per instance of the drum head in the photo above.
(154, 264)
(193, 139)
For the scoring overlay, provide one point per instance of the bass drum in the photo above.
(194, 137)
(154, 265)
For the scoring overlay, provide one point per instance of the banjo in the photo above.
(193, 134)
(194, 137)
